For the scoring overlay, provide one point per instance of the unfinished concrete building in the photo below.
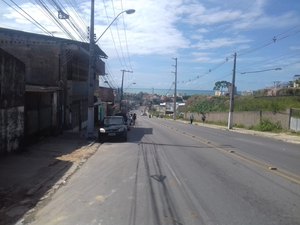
(55, 80)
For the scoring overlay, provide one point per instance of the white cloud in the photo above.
(203, 57)
(259, 22)
(220, 43)
(19, 21)
(150, 30)
(295, 48)
(212, 17)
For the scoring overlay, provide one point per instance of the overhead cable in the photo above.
(32, 20)
(125, 35)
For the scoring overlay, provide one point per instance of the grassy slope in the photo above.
(242, 103)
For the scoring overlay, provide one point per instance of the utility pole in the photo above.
(175, 89)
(91, 77)
(121, 98)
(231, 107)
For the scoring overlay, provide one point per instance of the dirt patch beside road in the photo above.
(29, 178)
(79, 155)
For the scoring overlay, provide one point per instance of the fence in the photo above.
(249, 119)
(295, 120)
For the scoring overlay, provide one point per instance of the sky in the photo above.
(202, 35)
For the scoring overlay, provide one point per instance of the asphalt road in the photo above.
(180, 174)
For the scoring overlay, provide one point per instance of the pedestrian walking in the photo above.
(192, 118)
(134, 118)
(203, 117)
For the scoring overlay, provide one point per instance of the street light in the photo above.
(91, 74)
(128, 11)
(259, 71)
(130, 85)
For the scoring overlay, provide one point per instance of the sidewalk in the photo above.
(278, 136)
(295, 139)
(28, 176)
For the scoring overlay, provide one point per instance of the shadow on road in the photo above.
(26, 177)
(162, 204)
(137, 133)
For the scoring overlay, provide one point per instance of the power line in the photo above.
(110, 74)
(119, 39)
(118, 34)
(170, 89)
(117, 52)
(126, 42)
(273, 40)
(54, 19)
(75, 8)
(69, 19)
(276, 61)
(63, 14)
(209, 71)
(36, 23)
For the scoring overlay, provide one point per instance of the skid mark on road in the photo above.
(163, 207)
(133, 208)
(170, 200)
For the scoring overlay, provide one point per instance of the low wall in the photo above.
(295, 124)
(246, 119)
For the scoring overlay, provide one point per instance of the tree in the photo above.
(220, 85)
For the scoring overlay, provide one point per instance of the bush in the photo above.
(240, 125)
(267, 125)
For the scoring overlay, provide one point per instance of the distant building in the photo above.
(225, 92)
(296, 81)
(221, 93)
(247, 93)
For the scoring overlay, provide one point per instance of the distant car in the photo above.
(113, 127)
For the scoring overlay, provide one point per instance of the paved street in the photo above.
(176, 173)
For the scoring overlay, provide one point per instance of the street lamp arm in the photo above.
(130, 85)
(259, 71)
(128, 11)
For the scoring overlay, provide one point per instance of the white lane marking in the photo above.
(172, 171)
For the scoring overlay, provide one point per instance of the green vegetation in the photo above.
(220, 123)
(241, 103)
(220, 85)
(199, 103)
(272, 104)
(296, 113)
(267, 125)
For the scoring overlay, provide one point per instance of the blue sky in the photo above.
(202, 35)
